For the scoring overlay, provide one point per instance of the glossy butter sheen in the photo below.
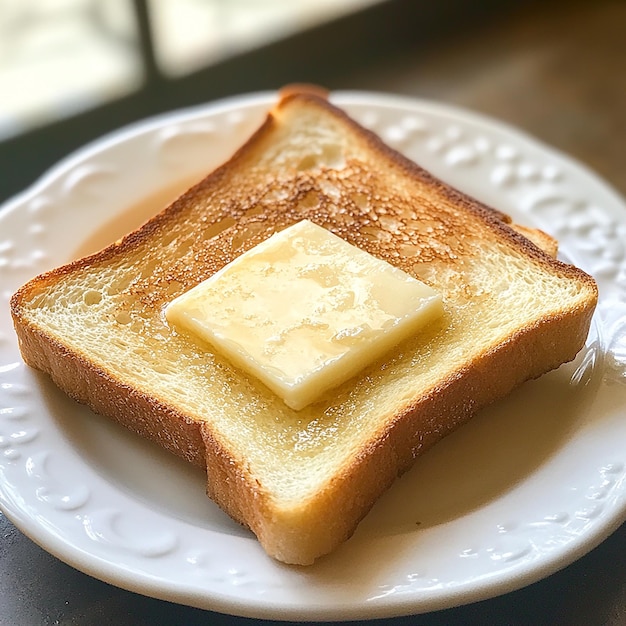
(304, 311)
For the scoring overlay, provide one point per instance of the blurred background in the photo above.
(62, 57)
(72, 70)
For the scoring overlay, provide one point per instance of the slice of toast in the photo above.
(302, 480)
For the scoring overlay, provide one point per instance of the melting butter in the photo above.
(304, 311)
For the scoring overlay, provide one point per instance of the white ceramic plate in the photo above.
(526, 488)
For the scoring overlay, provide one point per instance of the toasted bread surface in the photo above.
(302, 480)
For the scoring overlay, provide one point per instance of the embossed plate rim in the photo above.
(235, 576)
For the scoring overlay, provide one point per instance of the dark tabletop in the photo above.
(557, 70)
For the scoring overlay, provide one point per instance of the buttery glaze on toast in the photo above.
(302, 480)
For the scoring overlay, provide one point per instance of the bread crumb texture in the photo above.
(307, 164)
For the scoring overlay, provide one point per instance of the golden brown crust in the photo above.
(82, 381)
(297, 89)
(459, 220)
(541, 239)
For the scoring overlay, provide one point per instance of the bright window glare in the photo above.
(59, 57)
(63, 56)
(190, 34)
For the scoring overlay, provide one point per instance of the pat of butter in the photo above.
(304, 311)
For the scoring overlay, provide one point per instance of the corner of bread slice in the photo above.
(297, 526)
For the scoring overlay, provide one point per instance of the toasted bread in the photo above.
(302, 480)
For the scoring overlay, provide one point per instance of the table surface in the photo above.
(555, 70)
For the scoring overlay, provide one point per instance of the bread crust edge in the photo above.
(386, 455)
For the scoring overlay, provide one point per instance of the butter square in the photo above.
(304, 311)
